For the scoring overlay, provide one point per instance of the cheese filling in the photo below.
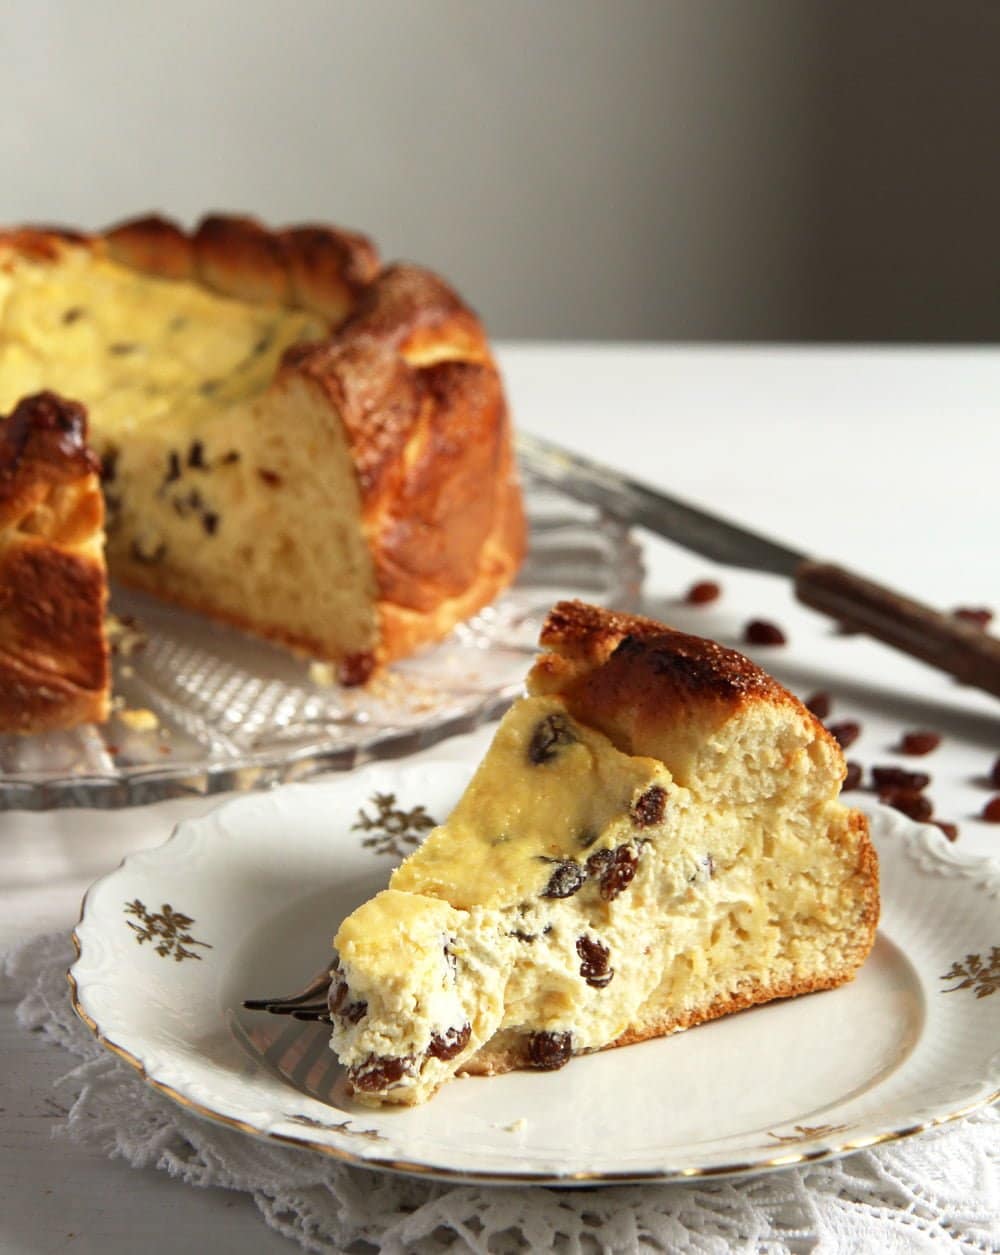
(135, 349)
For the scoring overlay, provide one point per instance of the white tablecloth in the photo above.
(885, 460)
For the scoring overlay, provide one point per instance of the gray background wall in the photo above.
(732, 169)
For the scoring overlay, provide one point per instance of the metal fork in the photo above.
(308, 1004)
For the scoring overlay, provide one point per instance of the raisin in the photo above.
(336, 996)
(109, 465)
(549, 1051)
(230, 458)
(122, 348)
(271, 478)
(196, 455)
(356, 668)
(616, 868)
(820, 704)
(761, 632)
(853, 778)
(702, 593)
(899, 778)
(917, 805)
(173, 468)
(919, 742)
(210, 522)
(949, 830)
(72, 315)
(594, 957)
(845, 733)
(566, 879)
(995, 773)
(518, 935)
(649, 806)
(377, 1073)
(549, 737)
(991, 811)
(978, 616)
(452, 1042)
(355, 1012)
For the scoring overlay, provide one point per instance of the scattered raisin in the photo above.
(122, 348)
(991, 811)
(518, 935)
(899, 778)
(271, 478)
(377, 1073)
(649, 806)
(702, 593)
(173, 468)
(978, 616)
(949, 830)
(452, 1042)
(196, 455)
(229, 458)
(594, 957)
(845, 733)
(567, 878)
(853, 778)
(550, 1051)
(210, 522)
(995, 773)
(761, 632)
(919, 742)
(72, 315)
(820, 704)
(616, 868)
(917, 805)
(550, 735)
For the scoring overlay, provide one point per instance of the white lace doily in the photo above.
(937, 1192)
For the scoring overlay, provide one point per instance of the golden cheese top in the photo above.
(549, 792)
(135, 348)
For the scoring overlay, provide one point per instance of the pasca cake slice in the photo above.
(654, 839)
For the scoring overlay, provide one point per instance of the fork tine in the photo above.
(317, 987)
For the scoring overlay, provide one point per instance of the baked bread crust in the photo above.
(408, 369)
(54, 669)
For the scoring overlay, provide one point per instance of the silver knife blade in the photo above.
(668, 516)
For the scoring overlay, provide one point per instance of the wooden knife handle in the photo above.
(961, 649)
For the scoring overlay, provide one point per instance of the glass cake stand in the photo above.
(201, 709)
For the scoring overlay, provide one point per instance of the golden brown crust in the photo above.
(320, 269)
(53, 651)
(621, 672)
(410, 374)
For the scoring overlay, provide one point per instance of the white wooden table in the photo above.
(886, 460)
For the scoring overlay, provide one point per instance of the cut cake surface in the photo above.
(654, 839)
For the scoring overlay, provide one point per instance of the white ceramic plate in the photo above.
(243, 903)
(232, 712)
